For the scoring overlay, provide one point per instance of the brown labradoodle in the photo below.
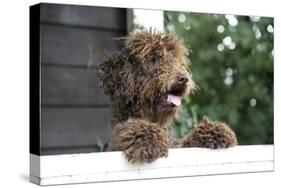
(145, 82)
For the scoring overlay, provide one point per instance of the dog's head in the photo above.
(148, 77)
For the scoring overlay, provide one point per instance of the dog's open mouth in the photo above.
(173, 97)
(176, 100)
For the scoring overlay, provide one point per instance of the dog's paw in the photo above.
(140, 141)
(210, 134)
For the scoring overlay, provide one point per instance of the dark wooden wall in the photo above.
(75, 114)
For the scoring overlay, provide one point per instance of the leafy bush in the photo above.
(232, 64)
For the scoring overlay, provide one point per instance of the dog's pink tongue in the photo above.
(176, 100)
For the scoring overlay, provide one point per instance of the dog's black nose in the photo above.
(182, 79)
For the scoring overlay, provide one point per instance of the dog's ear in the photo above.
(104, 73)
(155, 46)
(116, 77)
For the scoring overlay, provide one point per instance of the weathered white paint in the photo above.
(112, 166)
(145, 18)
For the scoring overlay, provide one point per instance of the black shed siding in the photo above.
(75, 114)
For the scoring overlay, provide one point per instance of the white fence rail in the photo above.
(112, 166)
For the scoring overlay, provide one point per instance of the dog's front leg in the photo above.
(140, 140)
(209, 134)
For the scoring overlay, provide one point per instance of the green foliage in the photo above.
(98, 145)
(232, 64)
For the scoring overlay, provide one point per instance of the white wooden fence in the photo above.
(112, 166)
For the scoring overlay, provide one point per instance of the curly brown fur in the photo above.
(141, 73)
(210, 134)
(141, 141)
(145, 82)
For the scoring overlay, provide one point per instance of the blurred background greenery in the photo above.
(232, 64)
